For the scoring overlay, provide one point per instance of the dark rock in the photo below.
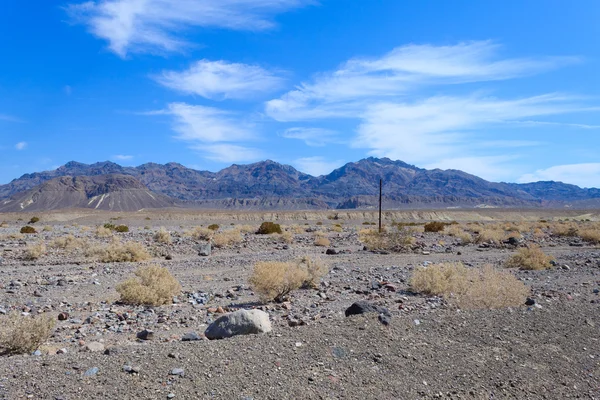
(529, 302)
(146, 334)
(362, 307)
(331, 252)
(204, 250)
(385, 319)
(63, 316)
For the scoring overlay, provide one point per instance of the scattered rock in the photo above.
(241, 322)
(204, 250)
(94, 347)
(529, 302)
(177, 372)
(362, 307)
(146, 334)
(63, 316)
(331, 252)
(191, 337)
(92, 371)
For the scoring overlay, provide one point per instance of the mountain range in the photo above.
(270, 185)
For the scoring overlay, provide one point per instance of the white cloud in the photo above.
(311, 136)
(21, 146)
(157, 25)
(316, 166)
(344, 91)
(221, 80)
(229, 153)
(583, 175)
(443, 127)
(122, 157)
(207, 124)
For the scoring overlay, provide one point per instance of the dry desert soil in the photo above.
(430, 349)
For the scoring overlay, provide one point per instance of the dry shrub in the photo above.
(119, 252)
(590, 235)
(322, 242)
(274, 280)
(468, 287)
(48, 228)
(297, 229)
(458, 232)
(287, 237)
(201, 233)
(538, 233)
(490, 235)
(68, 242)
(121, 228)
(246, 229)
(213, 227)
(14, 236)
(34, 251)
(163, 236)
(4, 224)
(529, 258)
(153, 286)
(22, 335)
(398, 240)
(315, 270)
(227, 238)
(567, 229)
(337, 228)
(84, 228)
(103, 232)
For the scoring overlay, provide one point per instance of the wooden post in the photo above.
(380, 194)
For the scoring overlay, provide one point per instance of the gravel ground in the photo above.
(430, 349)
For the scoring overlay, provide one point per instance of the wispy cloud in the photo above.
(218, 80)
(9, 118)
(440, 127)
(218, 134)
(230, 153)
(342, 92)
(122, 157)
(21, 146)
(207, 124)
(317, 166)
(583, 175)
(311, 136)
(158, 25)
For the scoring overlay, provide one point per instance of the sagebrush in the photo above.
(267, 228)
(119, 252)
(486, 288)
(152, 285)
(24, 334)
(530, 258)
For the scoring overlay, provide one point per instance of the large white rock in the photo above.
(241, 322)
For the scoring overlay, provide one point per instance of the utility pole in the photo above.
(380, 194)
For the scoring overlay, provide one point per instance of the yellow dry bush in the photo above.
(15, 236)
(337, 228)
(529, 258)
(490, 235)
(163, 236)
(22, 335)
(538, 233)
(152, 285)
(4, 224)
(458, 232)
(68, 242)
(84, 228)
(274, 280)
(322, 242)
(315, 270)
(201, 233)
(297, 229)
(119, 252)
(227, 238)
(486, 288)
(247, 229)
(47, 228)
(568, 229)
(590, 235)
(103, 232)
(397, 240)
(34, 251)
(287, 237)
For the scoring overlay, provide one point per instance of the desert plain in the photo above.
(540, 344)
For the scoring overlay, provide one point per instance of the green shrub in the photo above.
(121, 228)
(213, 227)
(33, 220)
(110, 226)
(267, 228)
(28, 229)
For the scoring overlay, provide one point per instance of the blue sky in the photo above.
(507, 90)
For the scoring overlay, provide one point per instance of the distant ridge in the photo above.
(271, 185)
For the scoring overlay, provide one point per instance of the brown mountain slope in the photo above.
(103, 192)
